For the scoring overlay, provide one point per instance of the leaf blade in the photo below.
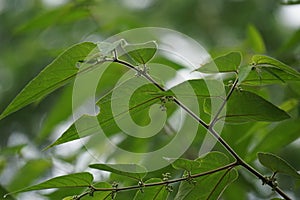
(55, 75)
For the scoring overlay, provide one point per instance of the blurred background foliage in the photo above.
(34, 32)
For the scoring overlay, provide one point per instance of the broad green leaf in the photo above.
(181, 163)
(244, 106)
(277, 164)
(83, 179)
(33, 170)
(211, 186)
(255, 39)
(152, 193)
(141, 53)
(134, 171)
(226, 63)
(140, 101)
(279, 137)
(61, 71)
(268, 62)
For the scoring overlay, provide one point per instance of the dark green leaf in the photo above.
(277, 164)
(246, 106)
(134, 171)
(211, 186)
(141, 53)
(58, 73)
(255, 39)
(83, 179)
(152, 193)
(226, 63)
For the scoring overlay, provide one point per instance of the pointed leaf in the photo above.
(211, 186)
(140, 101)
(141, 53)
(255, 39)
(225, 63)
(134, 171)
(152, 193)
(277, 164)
(244, 106)
(83, 179)
(55, 75)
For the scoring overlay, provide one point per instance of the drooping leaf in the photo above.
(279, 137)
(134, 171)
(83, 179)
(141, 53)
(255, 39)
(146, 96)
(61, 71)
(211, 186)
(152, 193)
(181, 163)
(226, 63)
(277, 164)
(244, 106)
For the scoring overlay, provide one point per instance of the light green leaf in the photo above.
(244, 106)
(226, 63)
(140, 102)
(33, 170)
(243, 73)
(277, 164)
(61, 71)
(83, 179)
(211, 186)
(141, 53)
(134, 171)
(255, 39)
(152, 193)
(181, 163)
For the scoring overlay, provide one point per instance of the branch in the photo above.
(239, 160)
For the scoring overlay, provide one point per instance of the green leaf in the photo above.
(279, 137)
(152, 193)
(83, 179)
(244, 106)
(140, 102)
(277, 164)
(133, 171)
(33, 170)
(211, 186)
(61, 71)
(226, 63)
(3, 191)
(255, 39)
(181, 163)
(243, 73)
(141, 53)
